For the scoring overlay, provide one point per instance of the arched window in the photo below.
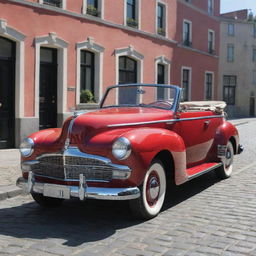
(127, 70)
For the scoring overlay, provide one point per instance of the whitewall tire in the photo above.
(153, 190)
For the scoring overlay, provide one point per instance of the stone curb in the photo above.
(9, 192)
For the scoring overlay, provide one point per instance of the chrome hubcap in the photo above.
(153, 188)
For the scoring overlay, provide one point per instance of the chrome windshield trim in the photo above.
(166, 121)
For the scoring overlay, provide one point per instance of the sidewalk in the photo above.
(10, 166)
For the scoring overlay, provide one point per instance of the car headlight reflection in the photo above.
(121, 148)
(27, 147)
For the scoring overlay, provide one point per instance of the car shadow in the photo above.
(77, 222)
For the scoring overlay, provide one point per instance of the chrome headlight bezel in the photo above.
(121, 148)
(27, 147)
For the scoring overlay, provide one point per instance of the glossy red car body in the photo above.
(187, 142)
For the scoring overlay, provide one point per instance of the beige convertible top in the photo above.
(215, 106)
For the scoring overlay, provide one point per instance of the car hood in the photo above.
(90, 123)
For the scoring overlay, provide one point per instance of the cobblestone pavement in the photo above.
(203, 217)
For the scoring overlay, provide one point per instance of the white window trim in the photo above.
(137, 13)
(167, 68)
(213, 32)
(98, 50)
(19, 38)
(64, 4)
(100, 8)
(165, 17)
(190, 80)
(212, 12)
(190, 35)
(212, 73)
(132, 53)
(52, 41)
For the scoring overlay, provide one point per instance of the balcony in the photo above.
(132, 23)
(187, 43)
(55, 3)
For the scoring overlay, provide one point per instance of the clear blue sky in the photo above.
(234, 5)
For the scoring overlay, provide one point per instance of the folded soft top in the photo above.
(215, 106)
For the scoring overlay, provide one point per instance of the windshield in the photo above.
(154, 96)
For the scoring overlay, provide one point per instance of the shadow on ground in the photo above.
(80, 222)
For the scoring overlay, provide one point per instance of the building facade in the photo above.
(57, 54)
(237, 70)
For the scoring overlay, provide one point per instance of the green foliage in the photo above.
(86, 96)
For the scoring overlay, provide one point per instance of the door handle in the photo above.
(206, 123)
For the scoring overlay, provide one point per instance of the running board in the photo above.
(199, 170)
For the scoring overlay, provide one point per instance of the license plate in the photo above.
(57, 191)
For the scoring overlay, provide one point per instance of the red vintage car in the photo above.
(139, 140)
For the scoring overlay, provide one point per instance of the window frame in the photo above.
(100, 9)
(206, 84)
(137, 24)
(230, 87)
(211, 50)
(232, 57)
(210, 8)
(189, 81)
(162, 31)
(231, 32)
(184, 39)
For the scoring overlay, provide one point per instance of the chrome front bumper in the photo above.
(82, 191)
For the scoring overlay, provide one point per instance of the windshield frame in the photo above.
(175, 104)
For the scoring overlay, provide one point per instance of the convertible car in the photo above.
(141, 139)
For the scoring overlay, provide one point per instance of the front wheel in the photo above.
(153, 189)
(45, 201)
(226, 169)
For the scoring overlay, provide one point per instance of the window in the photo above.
(208, 86)
(127, 70)
(211, 39)
(231, 29)
(229, 89)
(185, 83)
(131, 13)
(210, 6)
(92, 7)
(161, 18)
(56, 3)
(254, 30)
(160, 80)
(87, 71)
(254, 77)
(254, 54)
(230, 53)
(187, 33)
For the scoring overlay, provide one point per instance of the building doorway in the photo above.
(7, 93)
(48, 88)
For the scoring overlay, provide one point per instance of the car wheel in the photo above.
(45, 201)
(226, 169)
(153, 189)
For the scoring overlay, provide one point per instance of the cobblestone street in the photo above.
(203, 217)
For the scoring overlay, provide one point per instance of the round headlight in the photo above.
(121, 148)
(27, 147)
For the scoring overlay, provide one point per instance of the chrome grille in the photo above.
(53, 166)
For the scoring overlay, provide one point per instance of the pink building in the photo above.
(51, 50)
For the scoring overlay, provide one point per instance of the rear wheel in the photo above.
(45, 201)
(226, 169)
(153, 189)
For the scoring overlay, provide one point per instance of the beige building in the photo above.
(237, 65)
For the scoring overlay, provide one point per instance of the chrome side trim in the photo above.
(88, 192)
(166, 121)
(205, 171)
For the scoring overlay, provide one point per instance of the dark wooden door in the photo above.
(48, 88)
(7, 93)
(252, 106)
